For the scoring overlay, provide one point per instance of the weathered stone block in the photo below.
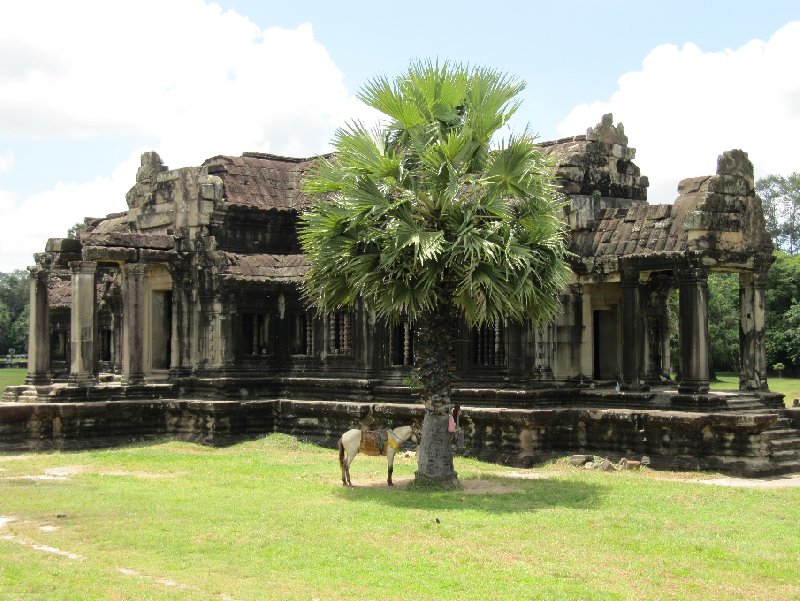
(579, 460)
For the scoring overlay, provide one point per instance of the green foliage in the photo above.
(73, 231)
(268, 519)
(425, 213)
(780, 198)
(723, 320)
(782, 305)
(14, 298)
(11, 376)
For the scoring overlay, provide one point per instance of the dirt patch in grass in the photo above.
(68, 471)
(788, 481)
(497, 484)
(13, 457)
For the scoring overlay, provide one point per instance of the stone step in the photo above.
(785, 444)
(786, 456)
(782, 433)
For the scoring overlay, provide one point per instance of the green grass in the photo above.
(269, 519)
(11, 376)
(789, 387)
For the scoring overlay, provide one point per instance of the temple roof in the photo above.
(641, 229)
(256, 267)
(262, 181)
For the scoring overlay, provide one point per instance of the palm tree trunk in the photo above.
(435, 360)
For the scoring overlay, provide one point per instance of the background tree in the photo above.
(780, 198)
(783, 311)
(73, 231)
(423, 217)
(14, 298)
(723, 321)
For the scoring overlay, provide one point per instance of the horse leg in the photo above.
(390, 457)
(342, 461)
(347, 463)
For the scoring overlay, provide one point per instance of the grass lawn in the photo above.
(790, 387)
(11, 376)
(268, 519)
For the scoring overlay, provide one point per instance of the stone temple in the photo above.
(183, 316)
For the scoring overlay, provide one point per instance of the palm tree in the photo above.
(424, 217)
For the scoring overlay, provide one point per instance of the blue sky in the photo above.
(86, 86)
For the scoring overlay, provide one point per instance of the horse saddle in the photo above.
(373, 442)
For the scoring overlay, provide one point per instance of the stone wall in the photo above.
(736, 443)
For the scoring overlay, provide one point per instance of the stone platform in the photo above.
(747, 435)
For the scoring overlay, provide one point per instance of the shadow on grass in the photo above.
(492, 494)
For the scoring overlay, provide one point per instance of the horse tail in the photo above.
(341, 453)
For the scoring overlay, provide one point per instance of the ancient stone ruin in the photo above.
(183, 317)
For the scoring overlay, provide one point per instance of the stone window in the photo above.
(256, 334)
(301, 334)
(488, 344)
(401, 343)
(339, 326)
(161, 329)
(105, 338)
(59, 341)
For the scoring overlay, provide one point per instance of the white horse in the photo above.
(376, 442)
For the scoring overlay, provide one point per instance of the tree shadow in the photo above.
(489, 493)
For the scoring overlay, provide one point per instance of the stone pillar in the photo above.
(631, 329)
(39, 329)
(180, 353)
(752, 327)
(82, 323)
(133, 323)
(693, 316)
(657, 356)
(116, 341)
(586, 337)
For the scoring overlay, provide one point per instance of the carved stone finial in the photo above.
(151, 164)
(735, 162)
(607, 132)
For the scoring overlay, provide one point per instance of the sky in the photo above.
(86, 86)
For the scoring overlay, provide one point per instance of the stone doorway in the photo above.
(161, 331)
(606, 328)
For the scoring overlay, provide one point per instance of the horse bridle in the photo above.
(416, 433)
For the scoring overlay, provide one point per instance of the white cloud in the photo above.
(198, 80)
(684, 107)
(201, 81)
(6, 161)
(26, 224)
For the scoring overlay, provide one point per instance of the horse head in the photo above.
(416, 434)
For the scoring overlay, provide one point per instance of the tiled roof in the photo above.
(60, 292)
(113, 223)
(263, 267)
(262, 181)
(641, 230)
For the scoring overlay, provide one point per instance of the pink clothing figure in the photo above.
(451, 425)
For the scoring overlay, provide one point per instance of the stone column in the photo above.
(658, 361)
(180, 353)
(116, 341)
(631, 329)
(82, 323)
(133, 323)
(39, 329)
(752, 327)
(693, 316)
